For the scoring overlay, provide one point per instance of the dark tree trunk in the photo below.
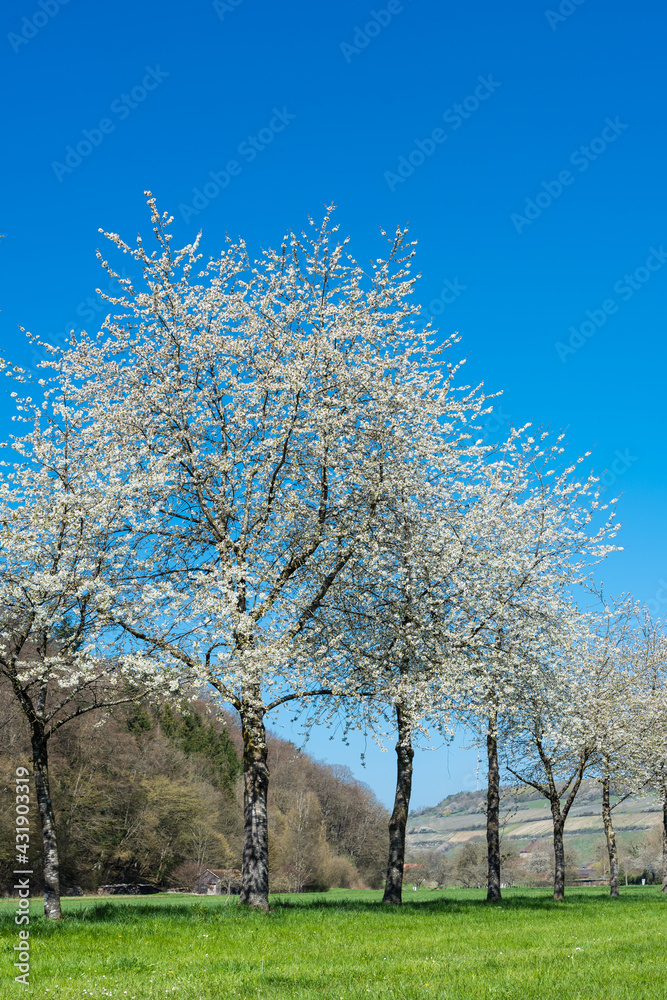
(493, 812)
(558, 814)
(399, 817)
(51, 862)
(664, 839)
(255, 880)
(612, 849)
(559, 860)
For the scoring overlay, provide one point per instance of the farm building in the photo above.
(219, 881)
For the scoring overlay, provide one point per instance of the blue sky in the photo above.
(524, 143)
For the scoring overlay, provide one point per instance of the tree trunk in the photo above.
(559, 860)
(493, 812)
(612, 849)
(664, 838)
(51, 862)
(399, 817)
(255, 880)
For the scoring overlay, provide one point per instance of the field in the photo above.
(340, 945)
(458, 819)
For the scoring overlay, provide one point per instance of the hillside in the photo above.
(154, 795)
(526, 823)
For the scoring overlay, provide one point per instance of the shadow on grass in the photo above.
(453, 904)
(122, 912)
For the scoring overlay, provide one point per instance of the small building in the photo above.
(219, 882)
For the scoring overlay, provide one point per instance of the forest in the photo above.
(151, 795)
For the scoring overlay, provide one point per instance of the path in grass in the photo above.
(450, 946)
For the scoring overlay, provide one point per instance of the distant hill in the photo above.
(526, 818)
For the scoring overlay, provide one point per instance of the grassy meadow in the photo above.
(447, 945)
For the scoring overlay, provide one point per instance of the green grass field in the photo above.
(443, 945)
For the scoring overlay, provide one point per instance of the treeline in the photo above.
(466, 866)
(153, 795)
(639, 850)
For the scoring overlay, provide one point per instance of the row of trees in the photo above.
(467, 865)
(264, 480)
(639, 852)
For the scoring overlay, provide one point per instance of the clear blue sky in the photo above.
(314, 103)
